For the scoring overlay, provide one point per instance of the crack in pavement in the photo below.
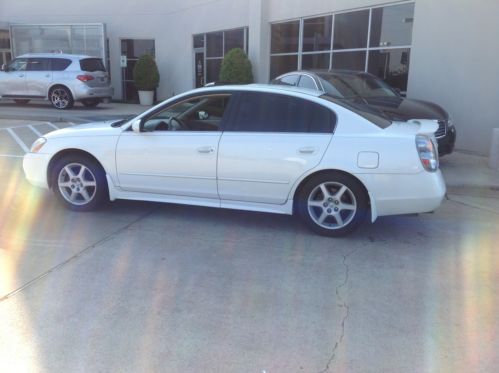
(472, 205)
(107, 238)
(344, 305)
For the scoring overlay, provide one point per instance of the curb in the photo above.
(44, 118)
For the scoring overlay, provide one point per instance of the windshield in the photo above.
(352, 85)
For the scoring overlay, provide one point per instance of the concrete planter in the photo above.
(146, 98)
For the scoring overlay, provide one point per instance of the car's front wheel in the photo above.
(79, 183)
(332, 204)
(61, 98)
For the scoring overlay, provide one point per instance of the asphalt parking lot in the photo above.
(152, 287)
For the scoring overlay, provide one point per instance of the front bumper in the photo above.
(35, 168)
(446, 143)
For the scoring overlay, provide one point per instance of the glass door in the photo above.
(199, 67)
(131, 51)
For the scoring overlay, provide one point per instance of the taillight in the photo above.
(427, 153)
(85, 78)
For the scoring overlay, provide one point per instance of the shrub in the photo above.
(145, 73)
(236, 67)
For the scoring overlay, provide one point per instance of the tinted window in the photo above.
(315, 61)
(213, 69)
(317, 34)
(285, 37)
(233, 39)
(391, 65)
(307, 82)
(350, 30)
(92, 64)
(214, 44)
(282, 64)
(267, 112)
(288, 80)
(60, 64)
(38, 64)
(19, 64)
(349, 60)
(198, 41)
(392, 25)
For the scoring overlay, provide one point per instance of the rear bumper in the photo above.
(83, 91)
(411, 194)
(35, 169)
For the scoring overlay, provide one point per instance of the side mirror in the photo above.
(4, 67)
(137, 125)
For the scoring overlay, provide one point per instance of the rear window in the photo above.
(92, 64)
(363, 110)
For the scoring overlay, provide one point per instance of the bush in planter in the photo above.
(236, 68)
(145, 73)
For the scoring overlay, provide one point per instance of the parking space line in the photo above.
(52, 125)
(11, 156)
(32, 128)
(18, 140)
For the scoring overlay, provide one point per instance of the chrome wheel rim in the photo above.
(332, 205)
(60, 98)
(77, 184)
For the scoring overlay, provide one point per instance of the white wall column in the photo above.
(259, 39)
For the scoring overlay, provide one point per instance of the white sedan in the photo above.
(258, 147)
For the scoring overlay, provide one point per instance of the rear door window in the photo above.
(268, 112)
(60, 64)
(307, 82)
(288, 80)
(92, 64)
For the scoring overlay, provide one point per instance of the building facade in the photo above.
(438, 50)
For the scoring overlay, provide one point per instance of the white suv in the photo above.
(60, 78)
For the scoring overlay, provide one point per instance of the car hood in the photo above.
(87, 129)
(404, 109)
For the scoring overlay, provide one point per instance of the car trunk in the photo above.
(95, 68)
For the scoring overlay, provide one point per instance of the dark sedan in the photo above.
(357, 87)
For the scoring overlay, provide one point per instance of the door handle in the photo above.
(205, 149)
(307, 150)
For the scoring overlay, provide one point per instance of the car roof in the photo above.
(325, 72)
(56, 55)
(261, 88)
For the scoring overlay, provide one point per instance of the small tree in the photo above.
(236, 67)
(146, 74)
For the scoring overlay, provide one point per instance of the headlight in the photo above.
(38, 144)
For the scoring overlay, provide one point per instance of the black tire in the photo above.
(61, 97)
(90, 102)
(21, 101)
(338, 211)
(75, 183)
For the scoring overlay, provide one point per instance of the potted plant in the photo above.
(146, 77)
(236, 68)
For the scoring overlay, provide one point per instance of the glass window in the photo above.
(350, 30)
(92, 64)
(315, 61)
(351, 85)
(392, 25)
(233, 39)
(350, 60)
(38, 64)
(317, 34)
(60, 64)
(267, 112)
(198, 41)
(134, 48)
(288, 80)
(214, 44)
(196, 114)
(19, 64)
(391, 65)
(285, 37)
(307, 82)
(282, 64)
(213, 69)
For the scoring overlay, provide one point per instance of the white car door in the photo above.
(38, 77)
(13, 80)
(270, 141)
(177, 152)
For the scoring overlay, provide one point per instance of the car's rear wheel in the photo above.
(61, 98)
(332, 204)
(90, 102)
(79, 183)
(21, 101)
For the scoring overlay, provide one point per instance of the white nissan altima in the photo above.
(257, 147)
